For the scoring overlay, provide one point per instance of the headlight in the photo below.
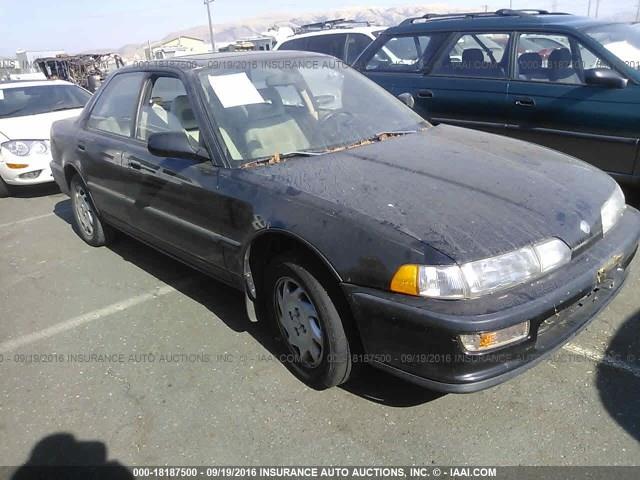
(475, 279)
(23, 148)
(613, 209)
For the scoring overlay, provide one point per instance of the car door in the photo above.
(107, 132)
(551, 104)
(467, 84)
(397, 63)
(176, 204)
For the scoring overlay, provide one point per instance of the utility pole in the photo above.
(589, 9)
(638, 12)
(597, 7)
(213, 40)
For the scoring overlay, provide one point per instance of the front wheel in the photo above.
(87, 222)
(316, 346)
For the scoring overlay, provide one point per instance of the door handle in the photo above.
(525, 102)
(135, 165)
(425, 94)
(81, 147)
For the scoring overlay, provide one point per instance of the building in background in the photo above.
(176, 47)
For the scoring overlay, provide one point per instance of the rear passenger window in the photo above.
(404, 54)
(328, 44)
(295, 44)
(476, 55)
(115, 109)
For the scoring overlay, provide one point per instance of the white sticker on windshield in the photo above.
(1, 94)
(235, 90)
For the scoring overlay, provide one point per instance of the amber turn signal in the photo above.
(406, 280)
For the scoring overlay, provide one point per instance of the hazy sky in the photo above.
(80, 25)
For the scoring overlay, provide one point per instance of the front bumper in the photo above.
(35, 163)
(417, 338)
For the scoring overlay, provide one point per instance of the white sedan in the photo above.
(27, 110)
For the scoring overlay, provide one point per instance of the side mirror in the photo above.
(605, 77)
(175, 144)
(407, 99)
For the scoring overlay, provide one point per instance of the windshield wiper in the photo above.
(278, 157)
(60, 109)
(13, 112)
(382, 136)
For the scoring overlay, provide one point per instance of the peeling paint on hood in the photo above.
(468, 194)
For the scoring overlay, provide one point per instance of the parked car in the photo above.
(453, 258)
(559, 80)
(27, 110)
(343, 39)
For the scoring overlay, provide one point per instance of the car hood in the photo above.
(468, 194)
(33, 127)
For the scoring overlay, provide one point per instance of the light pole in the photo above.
(213, 41)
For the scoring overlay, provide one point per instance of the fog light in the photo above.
(31, 175)
(481, 342)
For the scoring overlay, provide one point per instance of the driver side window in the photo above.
(167, 108)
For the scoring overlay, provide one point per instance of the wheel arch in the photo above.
(268, 243)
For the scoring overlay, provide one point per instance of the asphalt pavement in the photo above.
(123, 354)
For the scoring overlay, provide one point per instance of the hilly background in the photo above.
(228, 32)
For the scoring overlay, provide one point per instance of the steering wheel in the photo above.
(334, 125)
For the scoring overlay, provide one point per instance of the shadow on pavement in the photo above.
(34, 191)
(620, 390)
(62, 456)
(228, 304)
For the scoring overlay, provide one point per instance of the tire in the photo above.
(315, 346)
(4, 189)
(86, 221)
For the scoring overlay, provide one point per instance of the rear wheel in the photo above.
(315, 345)
(4, 189)
(87, 222)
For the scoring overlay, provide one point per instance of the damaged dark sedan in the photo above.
(452, 258)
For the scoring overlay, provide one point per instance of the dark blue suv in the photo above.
(567, 82)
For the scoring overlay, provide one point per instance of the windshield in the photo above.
(620, 39)
(278, 107)
(21, 101)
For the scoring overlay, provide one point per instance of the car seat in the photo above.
(561, 67)
(530, 67)
(270, 130)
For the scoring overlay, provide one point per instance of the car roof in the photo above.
(333, 31)
(32, 83)
(498, 21)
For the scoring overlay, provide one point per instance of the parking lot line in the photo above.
(599, 357)
(26, 220)
(11, 345)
